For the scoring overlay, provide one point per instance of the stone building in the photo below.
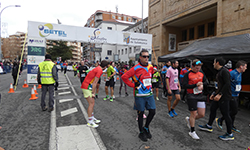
(175, 24)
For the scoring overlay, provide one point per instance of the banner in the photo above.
(35, 50)
(34, 60)
(36, 41)
(32, 69)
(172, 42)
(94, 49)
(89, 35)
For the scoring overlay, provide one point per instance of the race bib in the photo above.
(176, 80)
(146, 82)
(83, 75)
(238, 88)
(154, 80)
(196, 91)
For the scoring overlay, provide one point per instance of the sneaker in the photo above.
(157, 98)
(205, 128)
(188, 123)
(235, 130)
(147, 132)
(120, 94)
(227, 137)
(218, 123)
(144, 116)
(173, 111)
(96, 96)
(44, 108)
(106, 98)
(194, 135)
(113, 96)
(111, 99)
(171, 114)
(96, 120)
(143, 137)
(127, 94)
(92, 125)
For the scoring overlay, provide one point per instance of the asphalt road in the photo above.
(26, 127)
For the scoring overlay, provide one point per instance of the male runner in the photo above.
(142, 74)
(236, 78)
(183, 72)
(89, 89)
(122, 71)
(163, 76)
(173, 86)
(193, 82)
(110, 82)
(221, 99)
(82, 71)
(155, 82)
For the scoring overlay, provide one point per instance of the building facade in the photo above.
(76, 51)
(107, 21)
(175, 24)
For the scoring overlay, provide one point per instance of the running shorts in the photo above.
(144, 102)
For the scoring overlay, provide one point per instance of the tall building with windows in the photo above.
(175, 24)
(106, 20)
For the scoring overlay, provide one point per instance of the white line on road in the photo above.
(52, 137)
(64, 100)
(63, 93)
(68, 111)
(62, 84)
(63, 88)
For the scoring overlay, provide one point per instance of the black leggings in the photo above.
(233, 109)
(224, 109)
(149, 118)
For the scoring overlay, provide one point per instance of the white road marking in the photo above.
(63, 88)
(62, 84)
(63, 93)
(52, 137)
(68, 111)
(64, 100)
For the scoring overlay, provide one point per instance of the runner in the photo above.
(183, 72)
(82, 71)
(74, 66)
(155, 82)
(221, 99)
(89, 89)
(116, 73)
(173, 86)
(193, 82)
(163, 76)
(110, 82)
(99, 81)
(142, 74)
(65, 64)
(122, 71)
(236, 78)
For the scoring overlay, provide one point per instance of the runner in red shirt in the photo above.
(142, 74)
(89, 90)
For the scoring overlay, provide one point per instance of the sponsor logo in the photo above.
(95, 37)
(32, 69)
(126, 38)
(47, 29)
(36, 49)
(34, 41)
(33, 78)
(32, 60)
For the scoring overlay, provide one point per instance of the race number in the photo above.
(176, 80)
(196, 91)
(146, 82)
(154, 80)
(238, 88)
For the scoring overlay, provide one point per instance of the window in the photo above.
(124, 18)
(109, 28)
(92, 24)
(129, 19)
(122, 51)
(118, 52)
(191, 33)
(201, 31)
(211, 27)
(126, 51)
(184, 35)
(120, 18)
(109, 52)
(113, 16)
(130, 50)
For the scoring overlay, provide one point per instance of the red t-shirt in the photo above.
(89, 79)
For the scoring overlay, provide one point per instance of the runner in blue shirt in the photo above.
(236, 78)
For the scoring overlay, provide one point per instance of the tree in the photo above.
(11, 47)
(59, 49)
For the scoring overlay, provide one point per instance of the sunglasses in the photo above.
(145, 56)
(198, 62)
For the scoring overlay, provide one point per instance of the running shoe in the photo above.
(106, 98)
(127, 94)
(120, 94)
(147, 132)
(96, 96)
(111, 99)
(171, 114)
(205, 128)
(143, 137)
(157, 98)
(194, 135)
(113, 96)
(92, 125)
(227, 137)
(96, 120)
(218, 123)
(144, 116)
(235, 130)
(188, 123)
(173, 111)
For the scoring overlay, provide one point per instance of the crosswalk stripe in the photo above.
(64, 93)
(63, 88)
(64, 100)
(68, 111)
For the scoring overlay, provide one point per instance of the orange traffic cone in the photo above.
(35, 90)
(25, 85)
(39, 86)
(11, 89)
(33, 95)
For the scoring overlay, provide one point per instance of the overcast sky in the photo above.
(69, 12)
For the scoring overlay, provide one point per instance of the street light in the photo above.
(1, 27)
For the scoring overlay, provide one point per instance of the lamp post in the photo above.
(1, 27)
(142, 18)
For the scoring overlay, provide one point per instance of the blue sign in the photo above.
(106, 57)
(32, 69)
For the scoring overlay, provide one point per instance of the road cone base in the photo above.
(34, 98)
(11, 92)
(25, 86)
